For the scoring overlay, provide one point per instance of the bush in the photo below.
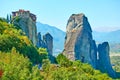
(16, 67)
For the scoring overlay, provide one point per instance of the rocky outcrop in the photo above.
(79, 44)
(47, 42)
(27, 22)
(104, 64)
(48, 39)
(41, 42)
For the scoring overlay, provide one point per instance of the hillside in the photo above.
(18, 57)
(58, 35)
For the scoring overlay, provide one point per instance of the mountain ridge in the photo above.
(111, 37)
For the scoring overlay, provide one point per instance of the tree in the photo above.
(43, 54)
(63, 61)
(46, 65)
(8, 18)
(46, 68)
(17, 67)
(11, 37)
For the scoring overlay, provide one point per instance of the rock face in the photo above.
(41, 42)
(47, 42)
(27, 22)
(48, 39)
(79, 44)
(104, 64)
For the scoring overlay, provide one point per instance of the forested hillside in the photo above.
(19, 59)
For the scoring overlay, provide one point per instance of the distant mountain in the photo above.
(111, 37)
(58, 36)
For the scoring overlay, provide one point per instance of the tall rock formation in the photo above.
(48, 39)
(27, 22)
(41, 42)
(79, 44)
(46, 42)
(104, 64)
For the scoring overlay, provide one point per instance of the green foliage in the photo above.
(43, 54)
(75, 71)
(46, 65)
(17, 18)
(3, 25)
(3, 19)
(12, 37)
(15, 21)
(63, 61)
(17, 55)
(17, 67)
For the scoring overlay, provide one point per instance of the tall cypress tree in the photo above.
(8, 18)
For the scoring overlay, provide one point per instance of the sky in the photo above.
(103, 15)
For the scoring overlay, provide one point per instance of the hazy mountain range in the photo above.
(112, 37)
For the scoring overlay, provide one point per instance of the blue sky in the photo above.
(103, 15)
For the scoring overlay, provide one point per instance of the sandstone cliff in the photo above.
(27, 22)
